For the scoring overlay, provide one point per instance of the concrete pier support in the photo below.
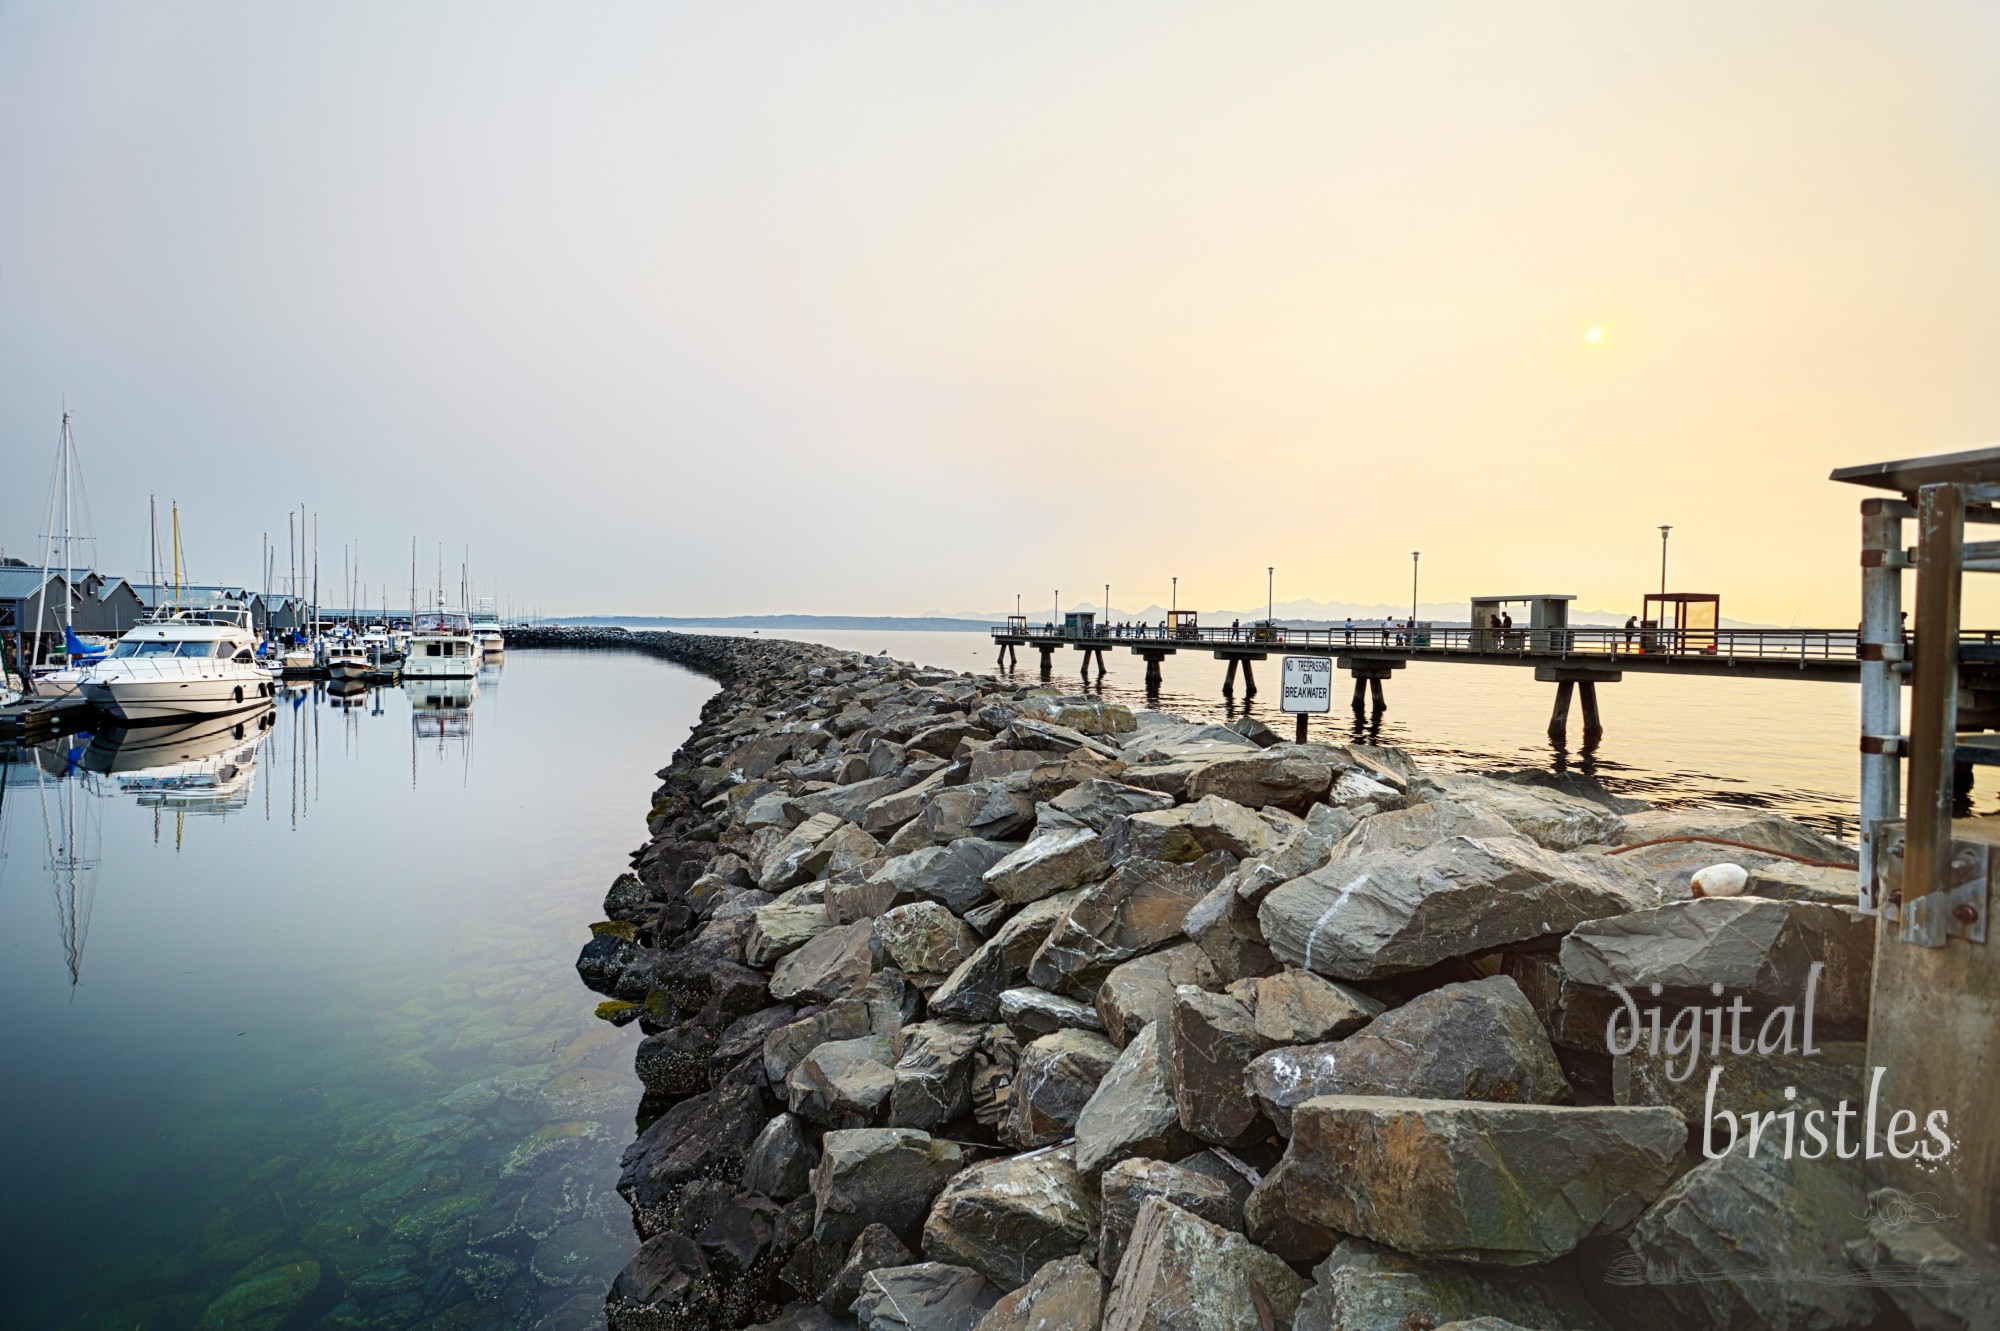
(1153, 660)
(1048, 658)
(1229, 680)
(1369, 672)
(1249, 680)
(1576, 682)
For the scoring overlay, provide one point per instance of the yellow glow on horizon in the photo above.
(1593, 335)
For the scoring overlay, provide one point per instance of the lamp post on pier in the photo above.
(1415, 555)
(1663, 558)
(1270, 593)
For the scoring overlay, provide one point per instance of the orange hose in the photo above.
(1740, 845)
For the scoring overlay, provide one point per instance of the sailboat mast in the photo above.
(153, 546)
(174, 509)
(69, 515)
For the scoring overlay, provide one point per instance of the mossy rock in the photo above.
(617, 1011)
(624, 929)
(264, 1300)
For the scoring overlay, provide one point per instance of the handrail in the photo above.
(1593, 641)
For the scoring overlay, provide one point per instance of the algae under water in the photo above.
(289, 1021)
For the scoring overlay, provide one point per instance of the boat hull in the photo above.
(441, 667)
(139, 701)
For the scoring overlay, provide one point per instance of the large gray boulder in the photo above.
(1067, 1292)
(797, 855)
(1224, 925)
(877, 1175)
(1051, 863)
(1505, 1184)
(930, 1296)
(844, 1019)
(1080, 712)
(786, 924)
(1366, 917)
(972, 992)
(1740, 1219)
(950, 874)
(1298, 1007)
(1290, 776)
(876, 1247)
(1421, 825)
(1058, 1074)
(1761, 949)
(933, 1078)
(1180, 1273)
(1141, 991)
(834, 965)
(923, 938)
(1184, 834)
(1764, 830)
(1209, 1042)
(1363, 1287)
(1127, 1185)
(781, 1160)
(1008, 1218)
(1138, 909)
(1098, 804)
(1549, 818)
(1752, 1083)
(1132, 1112)
(1032, 1012)
(1478, 1040)
(843, 1083)
(947, 874)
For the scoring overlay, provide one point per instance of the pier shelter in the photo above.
(1546, 629)
(1934, 1013)
(1680, 622)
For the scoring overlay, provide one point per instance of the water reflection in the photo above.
(327, 1062)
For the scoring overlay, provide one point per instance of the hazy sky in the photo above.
(885, 308)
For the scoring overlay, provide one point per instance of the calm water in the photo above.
(1786, 746)
(290, 1030)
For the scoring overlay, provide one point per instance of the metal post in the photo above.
(1880, 650)
(1933, 714)
(1176, 602)
(1270, 594)
(1301, 737)
(1663, 558)
(1415, 555)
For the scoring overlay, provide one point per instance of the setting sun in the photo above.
(1593, 335)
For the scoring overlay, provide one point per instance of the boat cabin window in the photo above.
(430, 649)
(147, 649)
(245, 654)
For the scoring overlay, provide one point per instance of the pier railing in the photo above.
(1589, 642)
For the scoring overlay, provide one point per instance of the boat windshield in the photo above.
(441, 622)
(181, 649)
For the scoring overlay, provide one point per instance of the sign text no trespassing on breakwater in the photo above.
(1308, 684)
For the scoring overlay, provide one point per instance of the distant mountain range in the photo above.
(1304, 614)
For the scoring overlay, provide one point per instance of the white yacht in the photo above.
(182, 664)
(486, 628)
(442, 646)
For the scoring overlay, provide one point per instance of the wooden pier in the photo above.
(1575, 659)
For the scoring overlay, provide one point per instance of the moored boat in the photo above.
(442, 646)
(183, 664)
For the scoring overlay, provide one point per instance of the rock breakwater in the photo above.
(969, 1004)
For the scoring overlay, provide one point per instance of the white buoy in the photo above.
(1721, 880)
